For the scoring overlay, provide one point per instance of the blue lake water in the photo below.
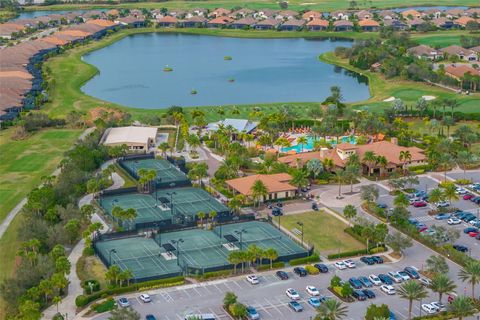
(41, 13)
(263, 70)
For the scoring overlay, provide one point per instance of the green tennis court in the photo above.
(167, 173)
(193, 249)
(187, 202)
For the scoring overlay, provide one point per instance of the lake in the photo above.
(262, 71)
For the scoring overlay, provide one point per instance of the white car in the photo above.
(453, 221)
(388, 289)
(349, 263)
(442, 204)
(460, 191)
(440, 306)
(404, 275)
(428, 308)
(123, 302)
(292, 294)
(424, 281)
(145, 298)
(313, 291)
(375, 280)
(474, 222)
(395, 276)
(340, 265)
(253, 279)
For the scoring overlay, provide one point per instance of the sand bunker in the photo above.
(389, 99)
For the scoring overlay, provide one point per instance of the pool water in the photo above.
(310, 141)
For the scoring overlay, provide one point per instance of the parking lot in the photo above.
(269, 298)
(421, 214)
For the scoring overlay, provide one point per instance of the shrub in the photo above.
(275, 265)
(463, 181)
(81, 300)
(321, 181)
(445, 184)
(375, 312)
(377, 250)
(335, 281)
(216, 274)
(105, 306)
(312, 258)
(95, 286)
(312, 270)
(424, 167)
(338, 290)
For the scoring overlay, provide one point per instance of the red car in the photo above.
(468, 196)
(418, 204)
(422, 229)
(473, 233)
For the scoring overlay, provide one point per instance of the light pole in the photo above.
(110, 256)
(240, 233)
(177, 243)
(301, 225)
(171, 200)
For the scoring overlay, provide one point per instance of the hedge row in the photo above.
(275, 265)
(83, 300)
(312, 258)
(354, 253)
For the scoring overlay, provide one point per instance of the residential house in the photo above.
(454, 13)
(248, 22)
(265, 14)
(292, 25)
(131, 21)
(286, 15)
(473, 12)
(241, 13)
(424, 52)
(135, 138)
(340, 15)
(219, 12)
(411, 14)
(194, 22)
(364, 15)
(219, 22)
(461, 53)
(342, 25)
(432, 13)
(278, 186)
(476, 50)
(267, 24)
(318, 25)
(387, 15)
(7, 30)
(167, 21)
(312, 15)
(444, 23)
(462, 21)
(458, 71)
(368, 25)
(413, 24)
(395, 24)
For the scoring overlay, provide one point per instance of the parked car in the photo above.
(145, 298)
(321, 267)
(300, 271)
(367, 260)
(314, 302)
(461, 191)
(443, 216)
(425, 282)
(468, 196)
(469, 229)
(375, 280)
(350, 263)
(419, 204)
(123, 302)
(369, 293)
(442, 204)
(428, 308)
(377, 259)
(460, 248)
(276, 211)
(395, 276)
(365, 282)
(253, 279)
(313, 291)
(359, 295)
(314, 206)
(295, 306)
(412, 272)
(340, 265)
(150, 317)
(292, 294)
(386, 279)
(382, 205)
(469, 217)
(355, 283)
(405, 276)
(388, 289)
(454, 221)
(282, 275)
(440, 306)
(252, 313)
(473, 234)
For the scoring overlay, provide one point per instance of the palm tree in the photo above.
(370, 158)
(302, 141)
(212, 215)
(328, 164)
(331, 309)
(464, 158)
(441, 284)
(462, 306)
(405, 156)
(201, 215)
(340, 176)
(299, 179)
(437, 264)
(256, 251)
(412, 290)
(349, 211)
(401, 201)
(450, 192)
(383, 163)
(471, 273)
(234, 258)
(259, 189)
(436, 195)
(315, 167)
(271, 254)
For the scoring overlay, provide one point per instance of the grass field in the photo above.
(440, 39)
(323, 5)
(323, 231)
(24, 162)
(408, 91)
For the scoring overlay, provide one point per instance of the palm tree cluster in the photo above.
(146, 179)
(251, 255)
(124, 214)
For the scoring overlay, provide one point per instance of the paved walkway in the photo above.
(6, 222)
(67, 305)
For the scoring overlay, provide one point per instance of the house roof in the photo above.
(342, 23)
(268, 22)
(238, 124)
(221, 20)
(368, 23)
(464, 20)
(129, 135)
(441, 21)
(318, 22)
(476, 49)
(422, 50)
(274, 182)
(415, 22)
(413, 13)
(167, 19)
(294, 22)
(101, 22)
(460, 70)
(456, 50)
(246, 21)
(312, 14)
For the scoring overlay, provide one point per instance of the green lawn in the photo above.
(440, 39)
(24, 162)
(322, 230)
(326, 5)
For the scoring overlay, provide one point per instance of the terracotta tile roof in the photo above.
(246, 21)
(274, 182)
(294, 22)
(463, 20)
(167, 19)
(268, 22)
(54, 40)
(343, 23)
(413, 13)
(456, 50)
(15, 74)
(312, 15)
(460, 70)
(74, 33)
(318, 22)
(101, 22)
(368, 23)
(221, 20)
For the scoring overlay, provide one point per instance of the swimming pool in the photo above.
(310, 141)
